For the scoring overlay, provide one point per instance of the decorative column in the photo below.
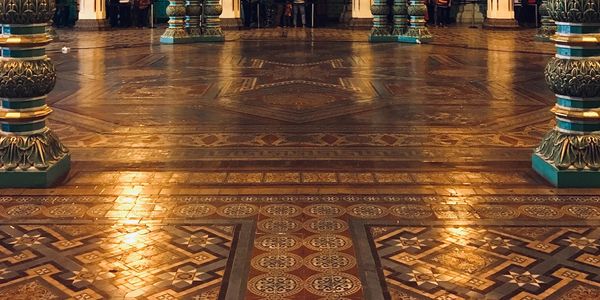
(92, 15)
(175, 33)
(362, 18)
(548, 27)
(51, 32)
(230, 18)
(211, 27)
(500, 14)
(192, 19)
(400, 17)
(416, 33)
(381, 31)
(569, 155)
(30, 154)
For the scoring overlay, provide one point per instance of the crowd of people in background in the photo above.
(121, 13)
(127, 13)
(438, 12)
(284, 13)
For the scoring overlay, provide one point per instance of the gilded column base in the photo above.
(565, 178)
(568, 160)
(490, 23)
(32, 161)
(51, 32)
(416, 36)
(545, 33)
(175, 36)
(381, 35)
(210, 38)
(212, 34)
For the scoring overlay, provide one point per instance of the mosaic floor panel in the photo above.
(310, 166)
(495, 260)
(107, 261)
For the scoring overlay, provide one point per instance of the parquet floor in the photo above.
(312, 166)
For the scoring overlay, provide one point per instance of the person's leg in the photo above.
(303, 14)
(146, 16)
(295, 14)
(279, 14)
(128, 15)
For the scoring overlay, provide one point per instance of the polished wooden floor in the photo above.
(304, 165)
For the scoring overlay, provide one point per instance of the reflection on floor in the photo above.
(271, 169)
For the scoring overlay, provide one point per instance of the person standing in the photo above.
(280, 7)
(443, 12)
(113, 13)
(287, 15)
(140, 11)
(299, 7)
(124, 13)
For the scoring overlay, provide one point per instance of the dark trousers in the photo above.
(279, 14)
(124, 14)
(113, 14)
(443, 17)
(141, 16)
(61, 16)
(287, 21)
(247, 13)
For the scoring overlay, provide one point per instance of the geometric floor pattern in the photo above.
(312, 166)
(491, 262)
(100, 261)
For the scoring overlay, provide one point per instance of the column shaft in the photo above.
(31, 155)
(176, 32)
(416, 32)
(211, 26)
(569, 155)
(381, 31)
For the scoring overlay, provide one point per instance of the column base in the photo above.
(382, 38)
(92, 25)
(565, 178)
(231, 23)
(175, 40)
(414, 40)
(361, 23)
(490, 23)
(210, 38)
(542, 38)
(35, 178)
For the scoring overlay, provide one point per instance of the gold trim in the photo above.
(9, 115)
(36, 40)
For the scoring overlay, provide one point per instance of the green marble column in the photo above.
(192, 19)
(416, 33)
(399, 10)
(30, 153)
(175, 33)
(381, 31)
(211, 27)
(548, 27)
(569, 155)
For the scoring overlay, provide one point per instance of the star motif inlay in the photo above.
(424, 277)
(524, 278)
(497, 242)
(405, 243)
(582, 242)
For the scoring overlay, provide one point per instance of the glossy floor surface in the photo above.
(311, 165)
